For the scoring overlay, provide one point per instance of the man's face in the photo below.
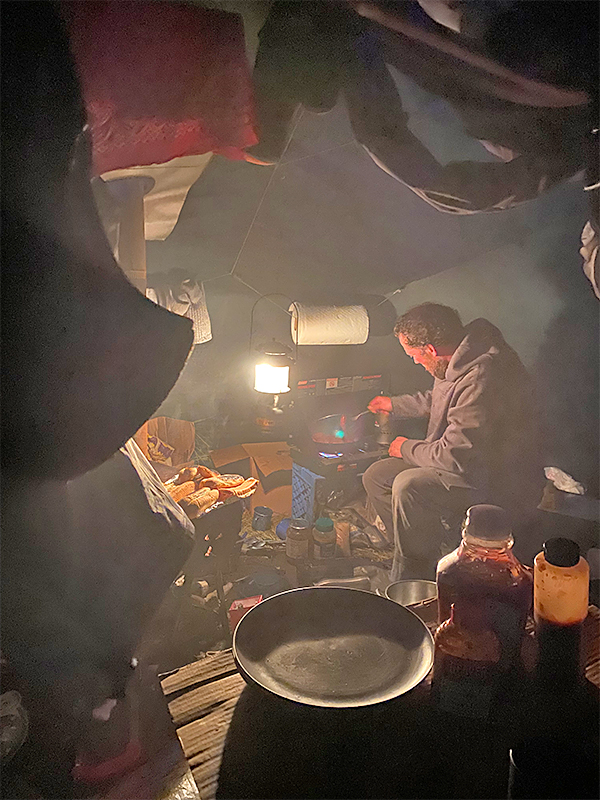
(426, 357)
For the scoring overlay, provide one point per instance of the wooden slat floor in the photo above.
(202, 697)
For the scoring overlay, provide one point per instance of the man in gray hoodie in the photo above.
(481, 444)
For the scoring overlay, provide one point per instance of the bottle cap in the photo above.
(487, 522)
(324, 524)
(561, 552)
(299, 524)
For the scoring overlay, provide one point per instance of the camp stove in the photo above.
(354, 459)
(334, 440)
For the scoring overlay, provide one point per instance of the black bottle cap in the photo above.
(561, 552)
(487, 522)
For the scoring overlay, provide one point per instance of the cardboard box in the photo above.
(240, 607)
(270, 463)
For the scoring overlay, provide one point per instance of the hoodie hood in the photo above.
(482, 340)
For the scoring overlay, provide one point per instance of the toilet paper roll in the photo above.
(329, 324)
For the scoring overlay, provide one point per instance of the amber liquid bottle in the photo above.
(466, 667)
(484, 573)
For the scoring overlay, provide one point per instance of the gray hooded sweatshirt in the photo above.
(482, 428)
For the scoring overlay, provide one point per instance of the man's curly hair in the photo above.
(430, 323)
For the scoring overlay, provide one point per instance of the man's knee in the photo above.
(373, 477)
(406, 484)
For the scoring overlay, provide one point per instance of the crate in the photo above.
(304, 493)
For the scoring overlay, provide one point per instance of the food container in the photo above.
(240, 607)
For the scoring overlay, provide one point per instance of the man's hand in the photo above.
(396, 445)
(380, 403)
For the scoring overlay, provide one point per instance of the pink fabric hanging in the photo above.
(161, 80)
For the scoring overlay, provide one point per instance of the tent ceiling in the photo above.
(325, 220)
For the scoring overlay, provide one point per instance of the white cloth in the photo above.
(182, 295)
(172, 182)
(442, 12)
(589, 253)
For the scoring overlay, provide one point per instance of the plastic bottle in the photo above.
(466, 670)
(324, 538)
(560, 605)
(483, 572)
(298, 543)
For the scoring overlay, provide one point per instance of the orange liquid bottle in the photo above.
(560, 605)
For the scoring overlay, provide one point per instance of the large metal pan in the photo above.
(333, 647)
(340, 429)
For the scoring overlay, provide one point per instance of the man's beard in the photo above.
(436, 367)
(440, 368)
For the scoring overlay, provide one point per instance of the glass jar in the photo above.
(483, 572)
(298, 542)
(324, 538)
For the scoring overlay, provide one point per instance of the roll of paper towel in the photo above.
(329, 324)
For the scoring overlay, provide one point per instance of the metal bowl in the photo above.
(332, 647)
(405, 593)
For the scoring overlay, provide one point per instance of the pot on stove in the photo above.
(341, 429)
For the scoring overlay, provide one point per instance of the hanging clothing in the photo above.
(548, 141)
(181, 294)
(589, 253)
(161, 80)
(298, 63)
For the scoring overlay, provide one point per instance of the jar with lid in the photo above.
(466, 667)
(298, 542)
(560, 605)
(324, 538)
(483, 572)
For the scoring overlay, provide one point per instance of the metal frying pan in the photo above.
(333, 647)
(340, 429)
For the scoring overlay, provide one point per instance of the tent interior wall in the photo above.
(305, 230)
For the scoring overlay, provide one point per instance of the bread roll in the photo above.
(179, 491)
(197, 502)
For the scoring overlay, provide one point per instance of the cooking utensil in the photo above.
(333, 647)
(408, 592)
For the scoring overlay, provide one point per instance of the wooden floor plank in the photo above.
(197, 703)
(206, 773)
(205, 669)
(201, 733)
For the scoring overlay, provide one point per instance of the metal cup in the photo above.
(261, 521)
(385, 428)
(405, 593)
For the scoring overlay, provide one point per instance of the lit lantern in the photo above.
(272, 370)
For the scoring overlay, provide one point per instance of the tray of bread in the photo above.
(198, 489)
